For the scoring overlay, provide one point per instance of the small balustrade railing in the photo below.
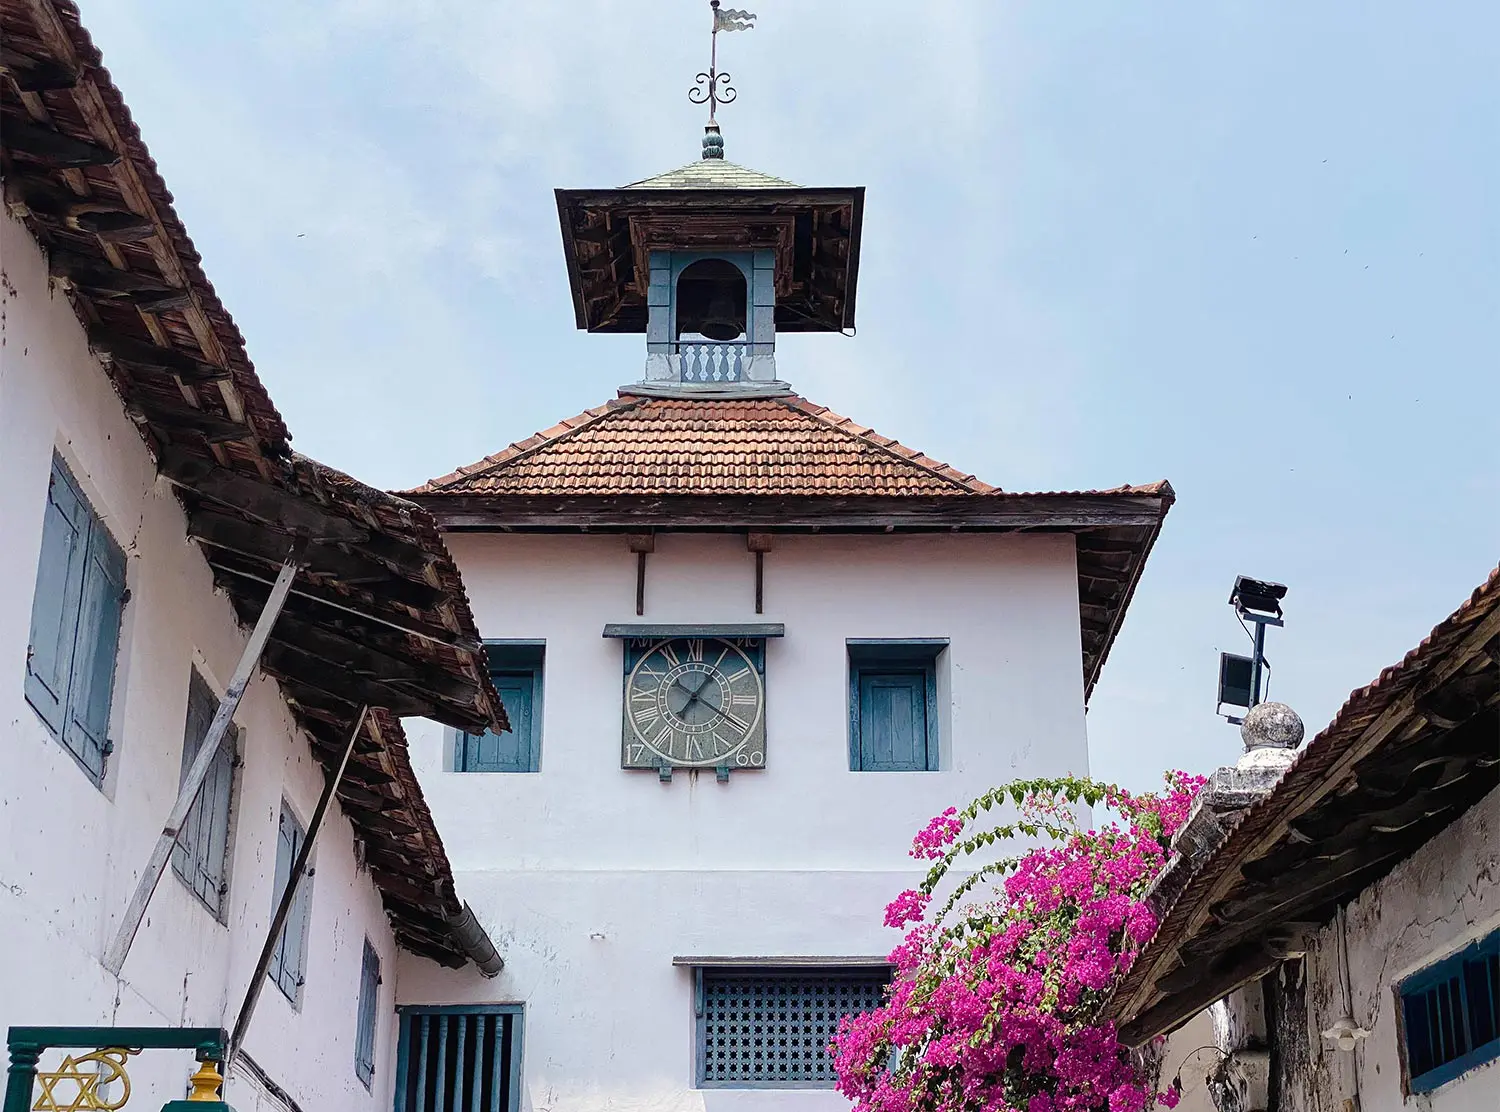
(708, 361)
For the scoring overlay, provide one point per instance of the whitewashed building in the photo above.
(749, 647)
(150, 503)
(1343, 927)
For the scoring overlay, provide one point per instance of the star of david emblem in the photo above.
(74, 1085)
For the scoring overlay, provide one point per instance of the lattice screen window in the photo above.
(771, 1028)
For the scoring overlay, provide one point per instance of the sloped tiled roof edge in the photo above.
(460, 480)
(1397, 721)
(695, 470)
(178, 361)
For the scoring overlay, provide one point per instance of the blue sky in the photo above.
(1252, 247)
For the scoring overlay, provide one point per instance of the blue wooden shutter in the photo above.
(286, 960)
(515, 751)
(54, 607)
(286, 853)
(91, 688)
(185, 855)
(893, 721)
(369, 1002)
(294, 934)
(217, 798)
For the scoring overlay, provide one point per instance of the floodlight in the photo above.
(1255, 597)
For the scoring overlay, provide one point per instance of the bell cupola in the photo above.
(712, 260)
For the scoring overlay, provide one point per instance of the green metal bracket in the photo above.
(26, 1045)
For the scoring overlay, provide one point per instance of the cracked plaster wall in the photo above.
(1438, 900)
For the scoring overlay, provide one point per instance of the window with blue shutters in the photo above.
(516, 668)
(368, 1015)
(893, 705)
(75, 623)
(463, 1058)
(770, 1028)
(1450, 1015)
(201, 855)
(290, 955)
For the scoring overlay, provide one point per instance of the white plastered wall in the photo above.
(70, 852)
(591, 879)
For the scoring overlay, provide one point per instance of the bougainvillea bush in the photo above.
(991, 1005)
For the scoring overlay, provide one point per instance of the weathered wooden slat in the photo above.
(169, 302)
(343, 652)
(113, 226)
(34, 75)
(234, 534)
(311, 671)
(402, 887)
(181, 418)
(53, 148)
(98, 276)
(170, 361)
(632, 513)
(325, 607)
(259, 499)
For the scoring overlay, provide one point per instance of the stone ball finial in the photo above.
(1271, 726)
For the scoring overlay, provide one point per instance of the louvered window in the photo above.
(1451, 1015)
(770, 1028)
(201, 855)
(75, 623)
(459, 1059)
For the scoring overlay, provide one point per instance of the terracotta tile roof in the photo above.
(741, 446)
(712, 173)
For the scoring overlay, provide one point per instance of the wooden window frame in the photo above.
(911, 656)
(1447, 970)
(510, 659)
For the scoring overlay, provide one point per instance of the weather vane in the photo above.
(712, 87)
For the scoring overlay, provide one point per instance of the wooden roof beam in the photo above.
(54, 149)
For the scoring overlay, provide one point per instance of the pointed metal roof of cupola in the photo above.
(707, 173)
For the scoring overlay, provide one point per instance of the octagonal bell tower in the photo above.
(711, 261)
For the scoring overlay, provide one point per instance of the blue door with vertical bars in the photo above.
(459, 1059)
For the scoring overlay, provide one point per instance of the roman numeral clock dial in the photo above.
(695, 703)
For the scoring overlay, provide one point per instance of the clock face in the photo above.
(695, 702)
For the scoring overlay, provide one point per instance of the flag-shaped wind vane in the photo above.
(731, 19)
(712, 87)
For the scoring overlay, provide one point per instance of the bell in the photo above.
(721, 322)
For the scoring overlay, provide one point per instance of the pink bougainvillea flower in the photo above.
(993, 1005)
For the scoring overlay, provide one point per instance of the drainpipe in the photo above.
(474, 942)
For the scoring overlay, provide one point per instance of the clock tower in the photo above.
(747, 646)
